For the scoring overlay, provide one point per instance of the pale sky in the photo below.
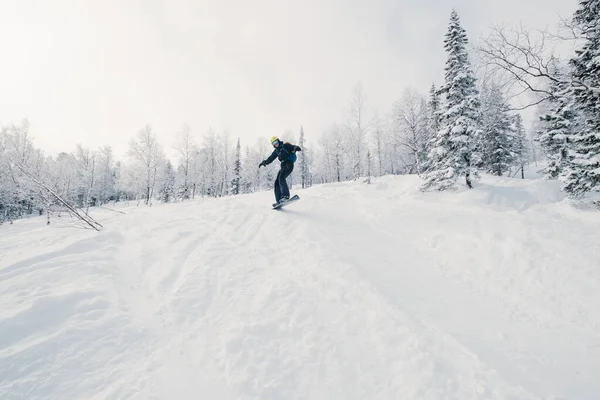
(96, 72)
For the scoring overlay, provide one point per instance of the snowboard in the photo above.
(277, 206)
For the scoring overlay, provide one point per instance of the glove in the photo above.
(298, 148)
(262, 164)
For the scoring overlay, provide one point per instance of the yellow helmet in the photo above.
(274, 139)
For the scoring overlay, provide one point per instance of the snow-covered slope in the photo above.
(355, 292)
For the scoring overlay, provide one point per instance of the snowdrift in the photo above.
(356, 291)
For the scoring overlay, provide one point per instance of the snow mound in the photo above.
(504, 194)
(357, 291)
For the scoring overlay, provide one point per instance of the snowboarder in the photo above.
(286, 153)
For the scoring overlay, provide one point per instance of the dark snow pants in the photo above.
(281, 187)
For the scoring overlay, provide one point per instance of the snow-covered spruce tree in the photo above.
(249, 176)
(225, 154)
(369, 163)
(433, 124)
(304, 170)
(237, 170)
(520, 148)
(583, 173)
(497, 138)
(451, 153)
(168, 182)
(557, 129)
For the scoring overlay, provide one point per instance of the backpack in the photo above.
(292, 156)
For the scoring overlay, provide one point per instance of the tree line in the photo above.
(477, 132)
(447, 134)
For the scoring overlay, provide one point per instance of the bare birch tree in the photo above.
(186, 149)
(148, 153)
(356, 130)
(409, 117)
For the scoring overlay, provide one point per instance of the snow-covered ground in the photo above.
(355, 292)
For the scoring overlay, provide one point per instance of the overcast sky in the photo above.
(95, 72)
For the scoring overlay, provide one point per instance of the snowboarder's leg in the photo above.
(277, 187)
(286, 170)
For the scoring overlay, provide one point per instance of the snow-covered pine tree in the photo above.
(452, 148)
(520, 147)
(433, 109)
(369, 162)
(224, 188)
(433, 125)
(497, 139)
(304, 171)
(252, 176)
(249, 175)
(583, 174)
(557, 129)
(167, 190)
(237, 170)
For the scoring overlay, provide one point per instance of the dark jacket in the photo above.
(284, 152)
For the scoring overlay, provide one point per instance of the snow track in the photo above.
(355, 292)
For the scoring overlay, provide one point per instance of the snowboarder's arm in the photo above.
(292, 148)
(270, 159)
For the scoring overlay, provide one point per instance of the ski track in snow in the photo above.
(354, 292)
